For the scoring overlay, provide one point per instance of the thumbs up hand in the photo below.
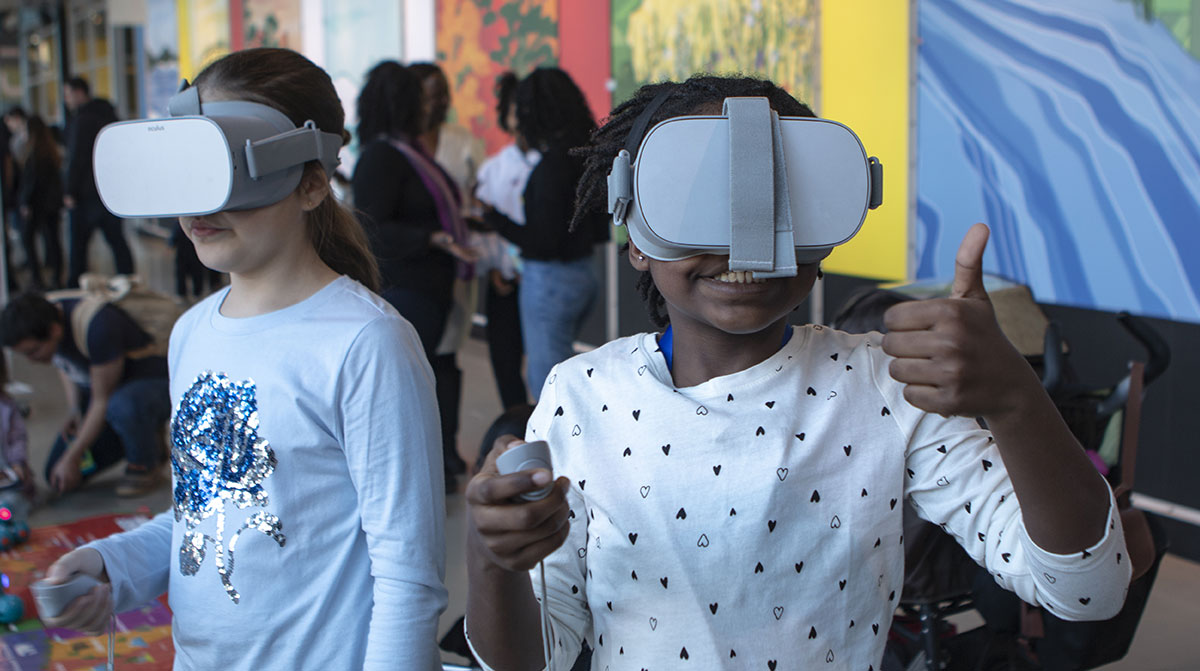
(950, 352)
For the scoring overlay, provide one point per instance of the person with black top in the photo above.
(117, 395)
(411, 211)
(558, 287)
(87, 212)
(40, 196)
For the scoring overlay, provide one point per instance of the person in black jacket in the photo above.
(40, 197)
(88, 116)
(412, 213)
(559, 286)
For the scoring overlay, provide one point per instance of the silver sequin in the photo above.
(219, 458)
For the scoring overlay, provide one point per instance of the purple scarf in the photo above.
(445, 199)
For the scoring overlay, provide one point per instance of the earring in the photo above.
(641, 258)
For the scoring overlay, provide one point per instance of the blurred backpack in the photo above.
(153, 312)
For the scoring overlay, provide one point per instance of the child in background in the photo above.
(728, 490)
(305, 440)
(501, 185)
(14, 436)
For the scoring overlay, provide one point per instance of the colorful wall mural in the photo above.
(1073, 130)
(477, 40)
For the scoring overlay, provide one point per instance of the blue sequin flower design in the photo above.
(219, 459)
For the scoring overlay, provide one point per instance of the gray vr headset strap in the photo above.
(295, 147)
(751, 184)
(186, 102)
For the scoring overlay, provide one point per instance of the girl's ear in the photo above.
(314, 188)
(637, 259)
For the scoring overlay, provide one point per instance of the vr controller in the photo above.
(51, 600)
(527, 457)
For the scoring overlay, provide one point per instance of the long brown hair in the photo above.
(294, 85)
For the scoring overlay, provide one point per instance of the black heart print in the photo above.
(582, 483)
(633, 575)
(729, 398)
(627, 452)
(864, 493)
(666, 449)
(846, 449)
(1085, 600)
(834, 356)
(636, 414)
(811, 391)
(683, 654)
(875, 628)
(815, 498)
(942, 449)
(713, 607)
(986, 465)
(758, 568)
(633, 541)
(812, 633)
(609, 604)
(770, 526)
(967, 506)
(717, 469)
(771, 664)
(605, 408)
(892, 504)
(1005, 556)
(663, 580)
(732, 512)
(878, 541)
(800, 436)
(559, 412)
(885, 412)
(841, 585)
(770, 404)
(681, 515)
(943, 481)
(799, 567)
(589, 372)
(760, 432)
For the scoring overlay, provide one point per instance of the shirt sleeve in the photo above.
(391, 437)
(138, 562)
(956, 478)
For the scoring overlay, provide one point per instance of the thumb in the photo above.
(968, 264)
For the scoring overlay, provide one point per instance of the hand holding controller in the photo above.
(527, 457)
(52, 599)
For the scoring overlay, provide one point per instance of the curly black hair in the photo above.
(390, 103)
(551, 110)
(699, 94)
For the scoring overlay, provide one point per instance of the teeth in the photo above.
(739, 277)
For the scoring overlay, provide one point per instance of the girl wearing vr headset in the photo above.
(304, 439)
(729, 490)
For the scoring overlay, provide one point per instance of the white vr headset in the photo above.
(205, 158)
(771, 192)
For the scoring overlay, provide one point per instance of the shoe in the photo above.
(138, 483)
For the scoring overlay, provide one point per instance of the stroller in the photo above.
(941, 579)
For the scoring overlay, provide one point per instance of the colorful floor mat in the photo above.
(143, 636)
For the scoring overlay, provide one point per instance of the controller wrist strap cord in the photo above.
(545, 613)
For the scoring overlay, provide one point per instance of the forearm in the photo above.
(90, 428)
(503, 617)
(1064, 500)
(404, 621)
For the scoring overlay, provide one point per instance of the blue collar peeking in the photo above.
(666, 344)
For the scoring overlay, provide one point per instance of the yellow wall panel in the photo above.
(865, 84)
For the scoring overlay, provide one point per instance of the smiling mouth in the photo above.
(737, 277)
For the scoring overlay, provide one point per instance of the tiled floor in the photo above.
(1168, 638)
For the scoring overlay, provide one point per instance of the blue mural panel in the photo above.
(1071, 128)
